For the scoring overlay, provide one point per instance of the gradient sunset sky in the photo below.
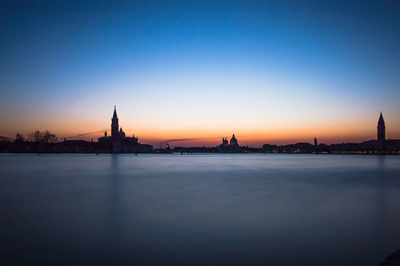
(269, 71)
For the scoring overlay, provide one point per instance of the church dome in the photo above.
(233, 141)
(121, 133)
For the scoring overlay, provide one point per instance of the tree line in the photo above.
(35, 136)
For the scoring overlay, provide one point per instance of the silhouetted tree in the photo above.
(4, 139)
(49, 137)
(19, 137)
(46, 136)
(36, 136)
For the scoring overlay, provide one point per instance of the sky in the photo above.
(269, 71)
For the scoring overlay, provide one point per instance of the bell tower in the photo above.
(114, 125)
(381, 128)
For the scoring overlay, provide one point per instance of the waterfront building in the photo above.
(119, 141)
(381, 129)
(225, 142)
(232, 146)
(233, 142)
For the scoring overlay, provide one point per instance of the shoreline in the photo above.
(194, 153)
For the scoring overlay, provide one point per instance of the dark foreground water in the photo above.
(198, 209)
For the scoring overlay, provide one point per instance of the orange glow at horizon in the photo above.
(205, 130)
(201, 72)
(253, 137)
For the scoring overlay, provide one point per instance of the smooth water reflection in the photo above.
(249, 209)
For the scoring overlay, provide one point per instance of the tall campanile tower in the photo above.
(381, 128)
(114, 125)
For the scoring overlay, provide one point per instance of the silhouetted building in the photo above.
(233, 142)
(119, 141)
(268, 148)
(381, 134)
(316, 145)
(117, 134)
(114, 125)
(381, 128)
(233, 145)
(225, 142)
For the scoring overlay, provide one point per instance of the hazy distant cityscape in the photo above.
(200, 133)
(118, 142)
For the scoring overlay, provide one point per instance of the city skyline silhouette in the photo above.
(266, 71)
(200, 132)
(116, 130)
(115, 140)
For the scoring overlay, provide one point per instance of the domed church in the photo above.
(117, 134)
(233, 145)
(119, 141)
(233, 142)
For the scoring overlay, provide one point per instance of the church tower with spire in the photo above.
(114, 125)
(119, 142)
(381, 128)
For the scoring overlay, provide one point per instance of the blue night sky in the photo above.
(270, 71)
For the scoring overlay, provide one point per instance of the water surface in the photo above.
(209, 209)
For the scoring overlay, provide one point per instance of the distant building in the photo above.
(233, 142)
(119, 141)
(117, 134)
(225, 142)
(381, 128)
(114, 125)
(232, 146)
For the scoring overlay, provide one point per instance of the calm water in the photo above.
(198, 209)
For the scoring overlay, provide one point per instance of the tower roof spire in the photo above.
(381, 120)
(115, 111)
